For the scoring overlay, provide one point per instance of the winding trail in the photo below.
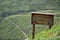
(18, 28)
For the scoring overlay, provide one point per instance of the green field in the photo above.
(9, 31)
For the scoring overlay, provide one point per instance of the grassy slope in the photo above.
(53, 34)
(9, 31)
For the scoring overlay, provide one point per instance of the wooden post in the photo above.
(33, 33)
(49, 26)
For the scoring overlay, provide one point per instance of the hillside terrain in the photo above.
(15, 19)
(9, 30)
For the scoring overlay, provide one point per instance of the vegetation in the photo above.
(9, 31)
(10, 7)
(18, 12)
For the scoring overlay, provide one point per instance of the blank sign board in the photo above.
(42, 18)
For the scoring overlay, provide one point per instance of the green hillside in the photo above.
(9, 31)
(15, 19)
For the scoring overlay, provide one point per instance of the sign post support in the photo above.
(33, 33)
(49, 26)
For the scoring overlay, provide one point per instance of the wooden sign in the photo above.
(40, 18)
